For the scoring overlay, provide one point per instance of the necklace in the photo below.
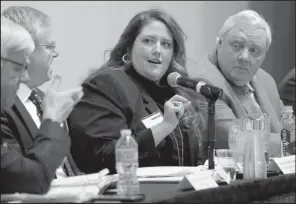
(180, 158)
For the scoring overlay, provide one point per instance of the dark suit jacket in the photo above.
(29, 164)
(229, 107)
(22, 112)
(113, 100)
(24, 120)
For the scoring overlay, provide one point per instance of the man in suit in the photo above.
(234, 66)
(287, 89)
(28, 106)
(29, 168)
(16, 43)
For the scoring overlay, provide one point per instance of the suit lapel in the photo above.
(26, 117)
(265, 105)
(25, 133)
(149, 103)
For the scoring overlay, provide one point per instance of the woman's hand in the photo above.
(174, 110)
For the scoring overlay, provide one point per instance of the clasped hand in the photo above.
(58, 105)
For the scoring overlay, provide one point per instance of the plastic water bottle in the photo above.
(127, 164)
(288, 131)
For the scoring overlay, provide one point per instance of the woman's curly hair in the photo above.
(192, 121)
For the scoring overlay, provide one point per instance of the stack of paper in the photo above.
(185, 177)
(71, 189)
(81, 180)
(60, 194)
(166, 173)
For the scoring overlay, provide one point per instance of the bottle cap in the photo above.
(287, 109)
(125, 132)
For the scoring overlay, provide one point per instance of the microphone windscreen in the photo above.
(172, 79)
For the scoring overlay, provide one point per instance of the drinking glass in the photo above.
(226, 159)
(256, 128)
(236, 142)
(258, 122)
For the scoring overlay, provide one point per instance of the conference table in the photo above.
(279, 189)
(275, 188)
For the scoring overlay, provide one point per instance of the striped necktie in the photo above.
(247, 99)
(36, 100)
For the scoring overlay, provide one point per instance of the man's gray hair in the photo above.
(30, 18)
(246, 15)
(14, 38)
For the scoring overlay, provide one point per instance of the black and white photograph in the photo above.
(148, 102)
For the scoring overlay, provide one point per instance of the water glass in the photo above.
(234, 128)
(266, 131)
(258, 122)
(226, 159)
(236, 142)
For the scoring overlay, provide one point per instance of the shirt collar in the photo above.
(23, 92)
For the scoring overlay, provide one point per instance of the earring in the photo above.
(218, 41)
(124, 59)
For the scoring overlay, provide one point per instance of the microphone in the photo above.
(175, 79)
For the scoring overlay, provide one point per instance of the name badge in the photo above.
(153, 119)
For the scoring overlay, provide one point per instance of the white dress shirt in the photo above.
(23, 93)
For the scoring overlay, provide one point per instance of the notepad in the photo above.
(86, 179)
(167, 171)
(56, 194)
(70, 189)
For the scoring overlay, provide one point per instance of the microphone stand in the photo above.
(211, 94)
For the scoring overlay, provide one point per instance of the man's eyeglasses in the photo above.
(49, 47)
(25, 65)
